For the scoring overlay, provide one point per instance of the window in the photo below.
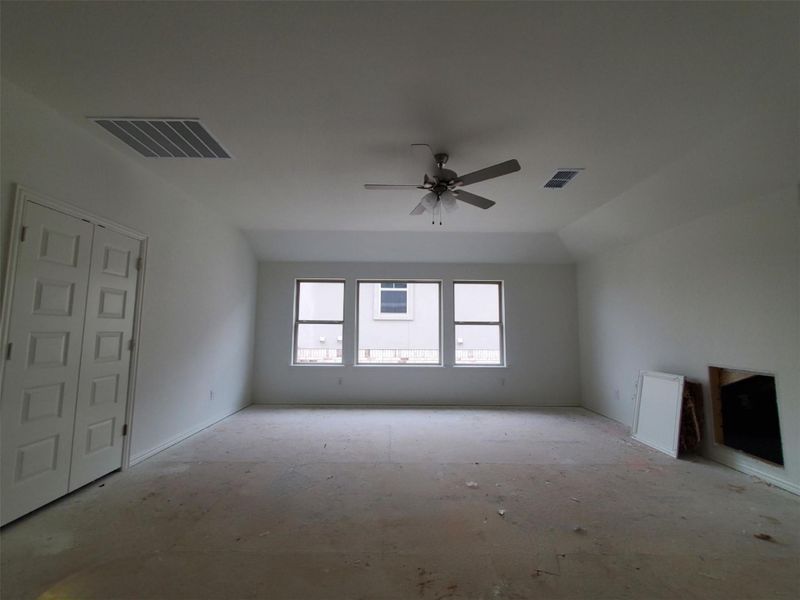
(394, 301)
(399, 323)
(478, 314)
(394, 298)
(318, 322)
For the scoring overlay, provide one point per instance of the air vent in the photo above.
(561, 178)
(164, 138)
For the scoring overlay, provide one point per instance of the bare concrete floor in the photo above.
(374, 503)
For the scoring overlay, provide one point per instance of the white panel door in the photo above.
(37, 405)
(105, 365)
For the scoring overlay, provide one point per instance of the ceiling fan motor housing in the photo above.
(444, 180)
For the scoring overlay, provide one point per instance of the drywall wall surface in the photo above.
(541, 340)
(199, 297)
(722, 290)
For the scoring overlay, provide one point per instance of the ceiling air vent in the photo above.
(164, 138)
(561, 178)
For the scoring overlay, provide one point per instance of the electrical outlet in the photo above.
(502, 382)
(340, 381)
(210, 395)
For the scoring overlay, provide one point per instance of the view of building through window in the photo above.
(398, 323)
(479, 323)
(319, 320)
(394, 298)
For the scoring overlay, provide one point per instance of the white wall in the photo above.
(541, 332)
(199, 300)
(722, 290)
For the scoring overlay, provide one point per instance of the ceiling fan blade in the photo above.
(503, 168)
(381, 186)
(449, 201)
(419, 209)
(474, 199)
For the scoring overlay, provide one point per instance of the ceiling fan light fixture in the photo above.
(429, 201)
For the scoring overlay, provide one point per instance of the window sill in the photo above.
(316, 364)
(401, 365)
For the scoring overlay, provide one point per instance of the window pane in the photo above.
(321, 301)
(319, 343)
(478, 345)
(389, 335)
(393, 301)
(477, 301)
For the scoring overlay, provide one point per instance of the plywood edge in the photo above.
(716, 402)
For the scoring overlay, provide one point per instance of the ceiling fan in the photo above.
(444, 186)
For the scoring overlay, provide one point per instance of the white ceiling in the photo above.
(675, 110)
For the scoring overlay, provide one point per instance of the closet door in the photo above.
(40, 382)
(105, 365)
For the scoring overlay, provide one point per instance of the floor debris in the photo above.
(472, 484)
(574, 499)
(501, 512)
(539, 572)
(764, 536)
(579, 529)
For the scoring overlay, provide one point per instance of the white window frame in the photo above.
(500, 323)
(438, 282)
(298, 321)
(378, 315)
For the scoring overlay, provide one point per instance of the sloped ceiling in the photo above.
(675, 111)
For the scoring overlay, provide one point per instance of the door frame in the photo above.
(23, 195)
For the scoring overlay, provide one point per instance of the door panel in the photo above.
(105, 364)
(37, 407)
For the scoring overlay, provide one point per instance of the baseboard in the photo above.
(599, 414)
(182, 436)
(407, 405)
(746, 465)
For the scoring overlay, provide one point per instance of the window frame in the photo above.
(501, 309)
(298, 321)
(410, 297)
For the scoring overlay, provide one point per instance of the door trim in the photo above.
(23, 194)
